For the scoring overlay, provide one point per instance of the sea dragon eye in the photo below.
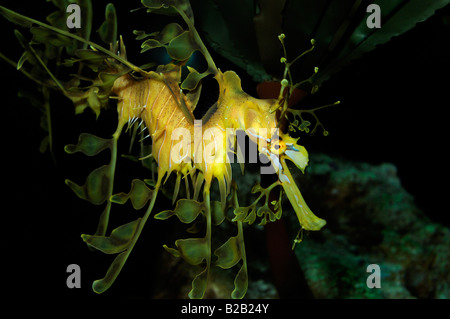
(277, 147)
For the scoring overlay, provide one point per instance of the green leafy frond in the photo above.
(300, 124)
(250, 213)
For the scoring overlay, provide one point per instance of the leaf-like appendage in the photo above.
(250, 219)
(139, 194)
(108, 79)
(199, 285)
(228, 254)
(194, 87)
(162, 38)
(89, 144)
(118, 241)
(257, 188)
(108, 30)
(264, 211)
(96, 188)
(15, 17)
(167, 7)
(91, 56)
(193, 250)
(182, 46)
(174, 252)
(25, 57)
(217, 214)
(43, 35)
(245, 214)
(58, 19)
(193, 79)
(186, 210)
(150, 44)
(249, 214)
(22, 40)
(240, 283)
(103, 284)
(141, 35)
(169, 32)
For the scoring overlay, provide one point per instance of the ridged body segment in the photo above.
(158, 105)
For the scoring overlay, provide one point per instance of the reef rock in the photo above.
(371, 219)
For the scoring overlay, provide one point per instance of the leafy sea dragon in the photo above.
(160, 104)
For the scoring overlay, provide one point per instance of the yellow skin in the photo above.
(157, 100)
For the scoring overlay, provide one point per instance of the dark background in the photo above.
(394, 105)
